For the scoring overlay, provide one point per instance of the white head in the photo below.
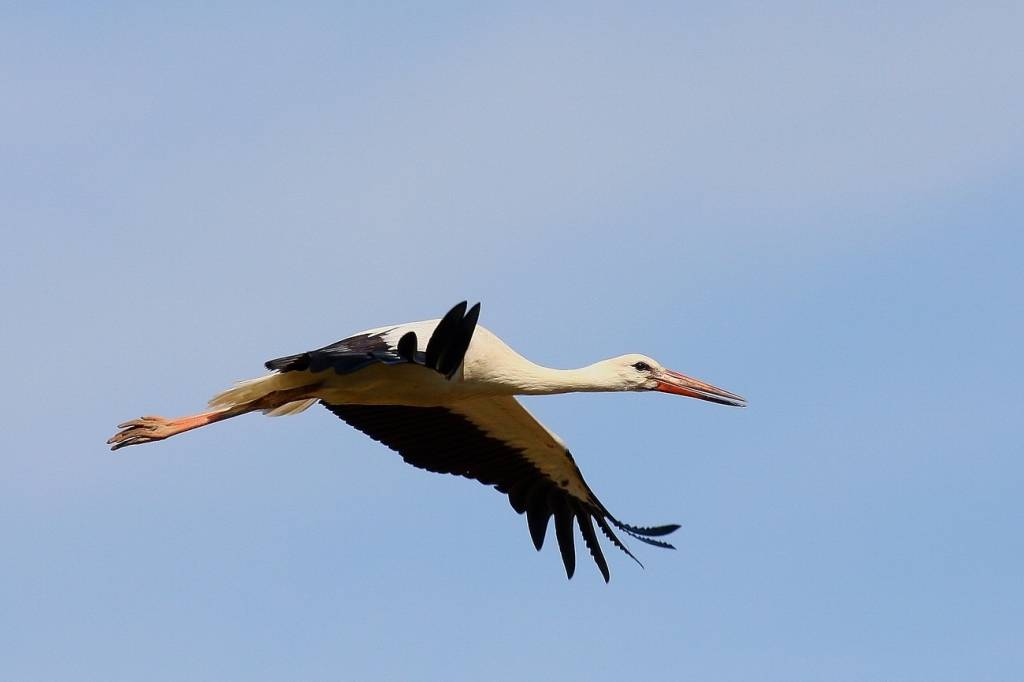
(635, 372)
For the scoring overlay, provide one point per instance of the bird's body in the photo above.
(441, 393)
(490, 368)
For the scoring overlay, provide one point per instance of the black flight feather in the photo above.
(563, 530)
(443, 336)
(537, 516)
(610, 534)
(589, 537)
(518, 494)
(456, 351)
(648, 531)
(407, 346)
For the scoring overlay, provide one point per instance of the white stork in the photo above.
(448, 405)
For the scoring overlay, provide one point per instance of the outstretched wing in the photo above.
(497, 442)
(444, 353)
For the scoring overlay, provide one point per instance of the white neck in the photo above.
(527, 378)
(492, 367)
(552, 381)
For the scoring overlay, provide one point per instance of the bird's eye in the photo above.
(641, 366)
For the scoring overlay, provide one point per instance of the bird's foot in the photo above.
(149, 429)
(143, 430)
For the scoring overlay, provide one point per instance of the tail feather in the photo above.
(251, 390)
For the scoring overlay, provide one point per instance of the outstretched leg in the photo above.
(153, 428)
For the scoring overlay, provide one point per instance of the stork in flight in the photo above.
(441, 393)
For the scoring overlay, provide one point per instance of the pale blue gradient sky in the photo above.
(815, 206)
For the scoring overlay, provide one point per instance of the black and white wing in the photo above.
(445, 350)
(497, 442)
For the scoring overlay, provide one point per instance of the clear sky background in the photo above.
(818, 207)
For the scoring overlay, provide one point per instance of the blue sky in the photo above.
(818, 207)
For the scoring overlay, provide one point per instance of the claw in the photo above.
(139, 423)
(141, 430)
(130, 441)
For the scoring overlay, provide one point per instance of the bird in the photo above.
(442, 394)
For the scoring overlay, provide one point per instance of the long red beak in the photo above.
(680, 384)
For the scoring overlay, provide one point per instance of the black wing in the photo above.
(445, 349)
(497, 442)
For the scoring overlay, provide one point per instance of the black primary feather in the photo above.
(455, 353)
(590, 538)
(444, 334)
(563, 531)
(537, 516)
(407, 346)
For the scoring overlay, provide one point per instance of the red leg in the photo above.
(150, 429)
